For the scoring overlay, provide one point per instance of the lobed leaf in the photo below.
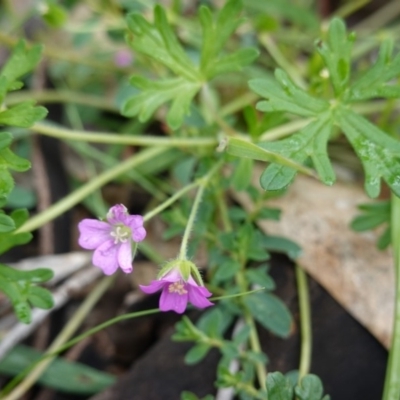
(312, 142)
(24, 114)
(23, 59)
(155, 93)
(310, 388)
(279, 387)
(284, 95)
(375, 82)
(9, 241)
(336, 53)
(378, 152)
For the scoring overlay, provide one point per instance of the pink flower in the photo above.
(123, 58)
(112, 239)
(176, 292)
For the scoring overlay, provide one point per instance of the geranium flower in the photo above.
(176, 292)
(112, 240)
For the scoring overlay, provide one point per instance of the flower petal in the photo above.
(198, 296)
(173, 275)
(125, 257)
(93, 233)
(117, 214)
(154, 286)
(135, 222)
(106, 257)
(138, 234)
(173, 301)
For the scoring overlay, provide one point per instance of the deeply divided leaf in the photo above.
(311, 142)
(377, 80)
(378, 152)
(283, 95)
(158, 41)
(336, 53)
(23, 60)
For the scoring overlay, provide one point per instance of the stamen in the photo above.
(120, 234)
(177, 287)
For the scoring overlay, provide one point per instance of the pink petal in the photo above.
(198, 296)
(117, 214)
(138, 234)
(93, 233)
(172, 276)
(154, 286)
(134, 221)
(125, 257)
(173, 301)
(106, 257)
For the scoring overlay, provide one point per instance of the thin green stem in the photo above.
(189, 226)
(61, 96)
(254, 340)
(391, 389)
(190, 223)
(170, 201)
(349, 8)
(99, 137)
(69, 329)
(305, 322)
(85, 190)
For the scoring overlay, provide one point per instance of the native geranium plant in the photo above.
(198, 107)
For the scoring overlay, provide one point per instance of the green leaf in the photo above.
(40, 297)
(282, 244)
(336, 53)
(312, 142)
(279, 387)
(24, 114)
(158, 41)
(310, 388)
(6, 223)
(270, 312)
(378, 152)
(81, 380)
(377, 80)
(13, 161)
(197, 353)
(260, 276)
(5, 139)
(232, 62)
(19, 287)
(8, 241)
(155, 93)
(284, 95)
(241, 178)
(226, 271)
(215, 34)
(212, 323)
(55, 15)
(23, 59)
(243, 148)
(9, 160)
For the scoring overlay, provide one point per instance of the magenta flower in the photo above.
(112, 240)
(176, 292)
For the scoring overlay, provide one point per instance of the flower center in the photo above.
(121, 234)
(177, 287)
